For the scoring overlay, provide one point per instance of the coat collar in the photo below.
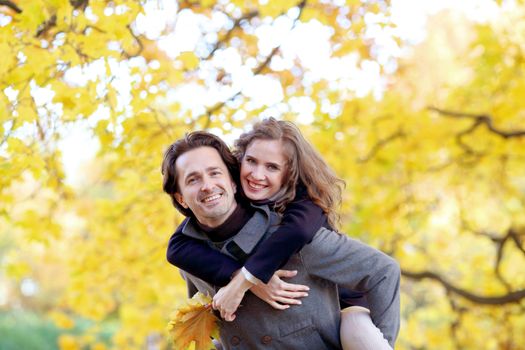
(247, 238)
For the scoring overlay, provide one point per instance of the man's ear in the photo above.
(180, 200)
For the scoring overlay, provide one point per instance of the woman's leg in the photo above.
(358, 332)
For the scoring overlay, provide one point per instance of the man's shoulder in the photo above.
(327, 236)
(190, 228)
(326, 243)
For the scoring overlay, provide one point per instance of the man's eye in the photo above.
(191, 181)
(215, 173)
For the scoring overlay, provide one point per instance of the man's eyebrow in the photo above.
(196, 173)
(193, 173)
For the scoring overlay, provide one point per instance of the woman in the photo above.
(279, 167)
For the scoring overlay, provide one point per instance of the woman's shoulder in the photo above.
(301, 192)
(303, 204)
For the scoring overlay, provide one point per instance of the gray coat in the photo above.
(331, 259)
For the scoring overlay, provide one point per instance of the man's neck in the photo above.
(233, 224)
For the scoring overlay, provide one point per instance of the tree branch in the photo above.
(518, 239)
(137, 40)
(497, 264)
(11, 5)
(228, 35)
(44, 27)
(455, 324)
(381, 144)
(478, 120)
(462, 144)
(210, 111)
(500, 241)
(7, 134)
(511, 297)
(79, 4)
(512, 234)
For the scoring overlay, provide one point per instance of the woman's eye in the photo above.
(273, 167)
(250, 161)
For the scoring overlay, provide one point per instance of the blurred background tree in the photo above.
(429, 135)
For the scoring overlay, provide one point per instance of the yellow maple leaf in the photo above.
(194, 322)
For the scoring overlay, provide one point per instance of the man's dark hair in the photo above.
(189, 142)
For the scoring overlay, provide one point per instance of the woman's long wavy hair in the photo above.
(304, 165)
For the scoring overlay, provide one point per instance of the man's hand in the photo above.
(228, 298)
(279, 294)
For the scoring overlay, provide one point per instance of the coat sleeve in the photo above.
(200, 260)
(301, 220)
(357, 266)
(191, 289)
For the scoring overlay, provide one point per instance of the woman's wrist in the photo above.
(254, 280)
(240, 283)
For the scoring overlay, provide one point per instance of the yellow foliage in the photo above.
(61, 320)
(189, 60)
(194, 322)
(151, 51)
(33, 16)
(68, 342)
(16, 269)
(440, 192)
(274, 8)
(98, 346)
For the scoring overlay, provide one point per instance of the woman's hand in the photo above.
(279, 294)
(228, 298)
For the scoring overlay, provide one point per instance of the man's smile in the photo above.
(210, 198)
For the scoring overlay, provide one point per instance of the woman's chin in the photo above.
(255, 196)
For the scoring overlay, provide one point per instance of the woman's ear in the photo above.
(180, 200)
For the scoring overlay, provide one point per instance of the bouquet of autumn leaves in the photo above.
(194, 322)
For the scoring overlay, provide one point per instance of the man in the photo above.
(199, 173)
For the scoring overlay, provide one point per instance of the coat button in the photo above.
(235, 340)
(266, 339)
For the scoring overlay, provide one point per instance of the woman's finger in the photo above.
(294, 287)
(228, 316)
(278, 306)
(290, 295)
(286, 273)
(289, 301)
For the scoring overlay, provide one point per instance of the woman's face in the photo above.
(262, 169)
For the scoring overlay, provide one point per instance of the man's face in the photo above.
(205, 186)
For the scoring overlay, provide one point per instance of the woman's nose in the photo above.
(257, 173)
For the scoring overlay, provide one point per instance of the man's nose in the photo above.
(207, 184)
